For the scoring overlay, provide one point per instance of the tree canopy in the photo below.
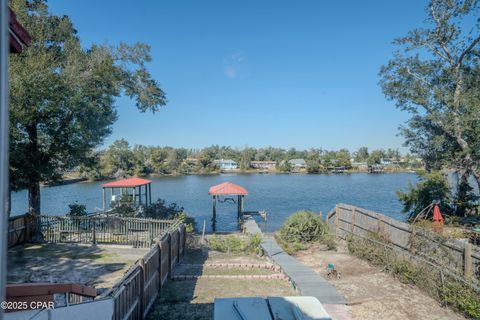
(62, 96)
(435, 76)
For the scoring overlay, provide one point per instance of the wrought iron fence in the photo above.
(137, 232)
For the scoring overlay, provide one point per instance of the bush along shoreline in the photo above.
(303, 228)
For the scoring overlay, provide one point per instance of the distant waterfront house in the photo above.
(265, 165)
(226, 164)
(361, 166)
(298, 163)
(386, 162)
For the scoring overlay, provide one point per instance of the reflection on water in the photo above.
(278, 194)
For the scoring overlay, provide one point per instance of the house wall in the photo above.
(98, 310)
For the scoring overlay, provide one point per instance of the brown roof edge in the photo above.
(19, 36)
(40, 289)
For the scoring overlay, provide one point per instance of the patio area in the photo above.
(97, 266)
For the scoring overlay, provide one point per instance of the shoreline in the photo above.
(71, 180)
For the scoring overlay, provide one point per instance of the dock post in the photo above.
(134, 196)
(241, 205)
(214, 213)
(239, 208)
(104, 199)
(150, 193)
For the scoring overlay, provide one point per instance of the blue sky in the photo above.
(257, 73)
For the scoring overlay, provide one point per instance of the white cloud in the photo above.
(233, 64)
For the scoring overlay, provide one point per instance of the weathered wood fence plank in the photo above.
(135, 294)
(462, 257)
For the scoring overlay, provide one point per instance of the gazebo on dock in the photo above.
(140, 188)
(227, 189)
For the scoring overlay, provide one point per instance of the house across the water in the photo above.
(226, 164)
(264, 165)
(298, 163)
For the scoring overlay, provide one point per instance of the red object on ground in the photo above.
(127, 183)
(227, 189)
(437, 215)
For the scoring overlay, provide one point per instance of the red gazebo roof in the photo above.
(127, 183)
(227, 189)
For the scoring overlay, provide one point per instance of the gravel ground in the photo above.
(371, 293)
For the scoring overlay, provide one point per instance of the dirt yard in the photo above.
(193, 299)
(99, 266)
(371, 293)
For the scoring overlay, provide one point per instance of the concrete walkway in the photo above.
(307, 281)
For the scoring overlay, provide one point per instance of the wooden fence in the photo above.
(135, 294)
(20, 229)
(137, 232)
(458, 256)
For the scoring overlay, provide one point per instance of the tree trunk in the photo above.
(34, 198)
(34, 177)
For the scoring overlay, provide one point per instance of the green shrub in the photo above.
(235, 244)
(405, 271)
(432, 188)
(462, 298)
(77, 210)
(161, 210)
(304, 227)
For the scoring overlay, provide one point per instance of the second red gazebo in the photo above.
(227, 189)
(130, 183)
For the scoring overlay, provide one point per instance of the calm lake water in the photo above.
(279, 194)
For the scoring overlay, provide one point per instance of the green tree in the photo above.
(343, 158)
(375, 157)
(313, 166)
(285, 166)
(157, 156)
(141, 165)
(435, 76)
(393, 154)
(93, 166)
(62, 97)
(361, 155)
(329, 159)
(247, 155)
(433, 188)
(119, 160)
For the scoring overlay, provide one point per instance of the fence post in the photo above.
(94, 239)
(444, 294)
(141, 298)
(150, 234)
(337, 213)
(25, 230)
(468, 260)
(353, 220)
(159, 267)
(169, 244)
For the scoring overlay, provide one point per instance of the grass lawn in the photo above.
(193, 299)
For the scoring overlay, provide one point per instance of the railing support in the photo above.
(94, 233)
